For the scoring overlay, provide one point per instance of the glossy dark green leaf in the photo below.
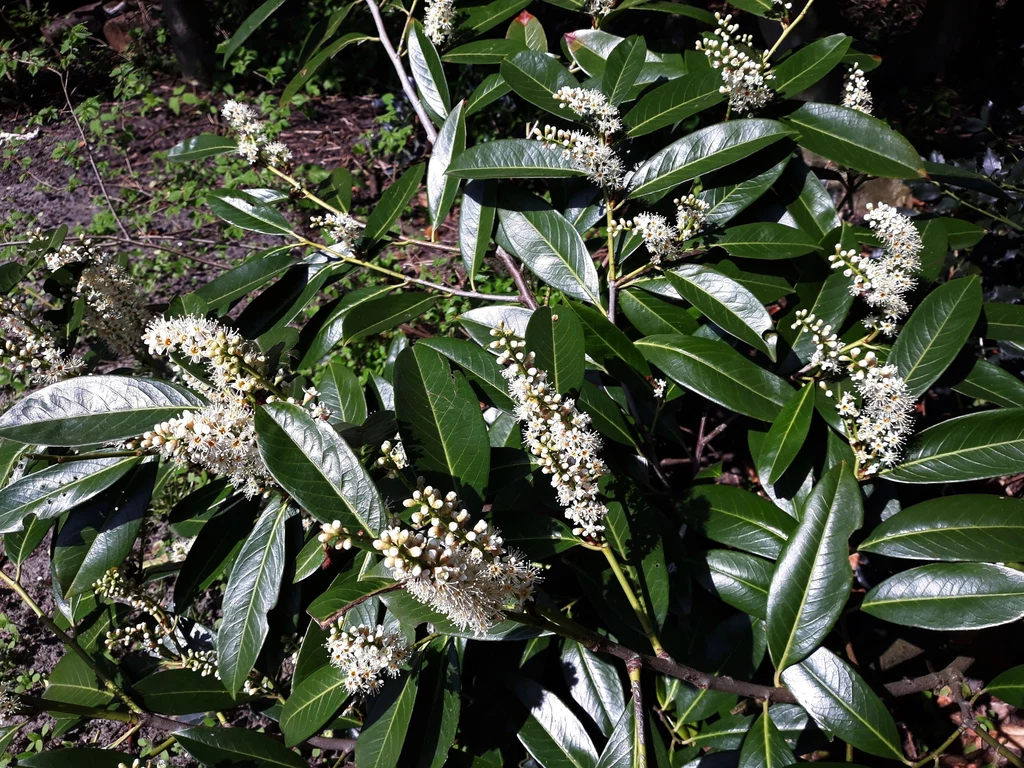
(625, 63)
(949, 597)
(812, 577)
(606, 414)
(309, 68)
(652, 315)
(333, 328)
(384, 313)
(674, 101)
(527, 29)
(480, 18)
(247, 212)
(701, 152)
(989, 382)
(317, 467)
(807, 200)
(18, 545)
(1003, 322)
(492, 51)
(765, 240)
(347, 588)
(741, 519)
(621, 749)
(182, 692)
(72, 681)
(550, 246)
(53, 491)
(202, 146)
(387, 722)
(855, 140)
(445, 708)
(94, 409)
(536, 77)
(590, 48)
(513, 159)
(727, 304)
(392, 203)
(738, 579)
(480, 321)
(439, 417)
(478, 365)
(312, 704)
(971, 447)
(831, 305)
(1009, 686)
(246, 28)
(594, 684)
(809, 65)
(476, 224)
(726, 733)
(552, 734)
(213, 550)
(441, 189)
(427, 71)
(935, 333)
(841, 703)
(606, 344)
(556, 339)
(788, 433)
(492, 88)
(250, 594)
(237, 746)
(972, 527)
(730, 199)
(254, 273)
(719, 373)
(341, 391)
(764, 746)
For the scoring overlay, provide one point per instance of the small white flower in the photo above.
(343, 229)
(590, 103)
(855, 91)
(365, 654)
(745, 77)
(600, 7)
(253, 142)
(659, 388)
(438, 20)
(691, 215)
(588, 153)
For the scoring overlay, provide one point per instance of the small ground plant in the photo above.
(684, 448)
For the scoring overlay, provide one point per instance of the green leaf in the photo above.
(79, 757)
(513, 159)
(56, 489)
(333, 328)
(807, 200)
(809, 65)
(214, 549)
(739, 518)
(651, 315)
(72, 681)
(757, 7)
(621, 748)
(237, 746)
(347, 588)
(971, 447)
(831, 305)
(310, 67)
(552, 734)
(936, 332)
(949, 597)
(247, 212)
(550, 246)
(428, 73)
(971, 526)
(317, 467)
(20, 544)
(478, 365)
(1002, 322)
(476, 224)
(727, 304)
(989, 382)
(384, 313)
(94, 409)
(557, 342)
(766, 241)
(841, 703)
(202, 146)
(812, 577)
(624, 65)
(608, 345)
(182, 692)
(440, 421)
(253, 274)
(719, 373)
(739, 580)
(855, 140)
(701, 152)
(341, 391)
(788, 433)
(730, 199)
(674, 101)
(536, 77)
(527, 29)
(594, 684)
(391, 204)
(247, 27)
(387, 723)
(484, 51)
(480, 18)
(441, 189)
(312, 704)
(479, 322)
(1009, 686)
(445, 708)
(491, 88)
(250, 594)
(764, 746)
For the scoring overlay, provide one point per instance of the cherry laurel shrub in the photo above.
(517, 539)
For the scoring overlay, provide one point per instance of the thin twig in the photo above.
(396, 61)
(342, 611)
(633, 667)
(788, 29)
(165, 249)
(525, 294)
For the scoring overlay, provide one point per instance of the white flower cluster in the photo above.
(590, 103)
(457, 567)
(662, 238)
(884, 280)
(557, 434)
(659, 388)
(884, 418)
(744, 77)
(827, 345)
(115, 585)
(691, 215)
(253, 143)
(138, 635)
(588, 153)
(438, 20)
(29, 347)
(203, 662)
(10, 705)
(365, 653)
(335, 535)
(855, 91)
(394, 458)
(343, 229)
(600, 7)
(114, 307)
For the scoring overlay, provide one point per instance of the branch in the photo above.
(951, 674)
(345, 609)
(396, 60)
(525, 294)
